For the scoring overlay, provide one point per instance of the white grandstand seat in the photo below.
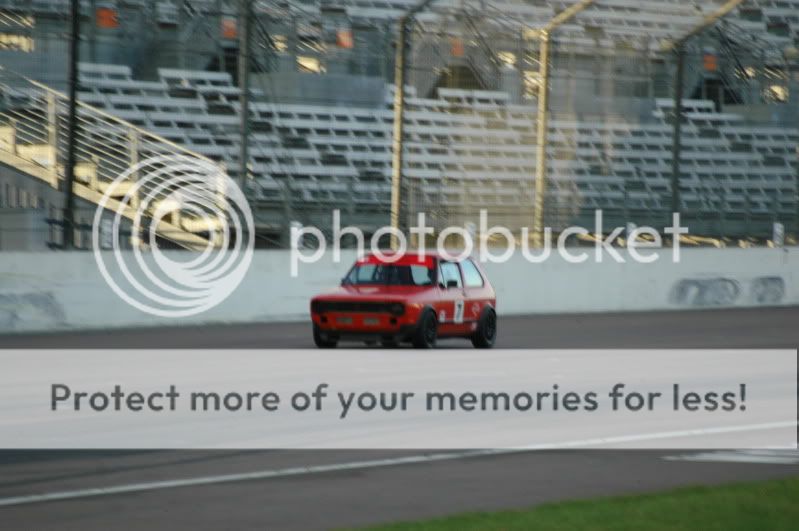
(344, 154)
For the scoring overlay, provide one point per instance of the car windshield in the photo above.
(391, 274)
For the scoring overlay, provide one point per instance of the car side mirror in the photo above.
(452, 284)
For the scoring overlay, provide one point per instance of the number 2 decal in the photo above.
(458, 312)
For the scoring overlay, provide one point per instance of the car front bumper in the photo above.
(365, 326)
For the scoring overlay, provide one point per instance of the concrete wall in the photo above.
(702, 278)
(51, 291)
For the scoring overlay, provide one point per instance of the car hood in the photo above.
(381, 293)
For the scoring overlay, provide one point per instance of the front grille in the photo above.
(353, 306)
(356, 307)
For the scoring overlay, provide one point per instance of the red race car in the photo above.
(414, 298)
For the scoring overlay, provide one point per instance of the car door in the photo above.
(451, 301)
(476, 290)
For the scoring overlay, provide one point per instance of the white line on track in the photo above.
(376, 463)
(761, 457)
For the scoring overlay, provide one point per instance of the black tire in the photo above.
(486, 333)
(426, 332)
(322, 340)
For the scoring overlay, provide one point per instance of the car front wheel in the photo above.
(427, 331)
(322, 339)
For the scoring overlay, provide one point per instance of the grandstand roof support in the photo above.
(72, 124)
(397, 145)
(710, 20)
(245, 17)
(542, 118)
(678, 47)
(676, 148)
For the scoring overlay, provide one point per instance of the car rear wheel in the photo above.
(323, 340)
(427, 331)
(486, 333)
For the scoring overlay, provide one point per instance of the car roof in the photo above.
(408, 258)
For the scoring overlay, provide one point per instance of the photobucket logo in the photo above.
(181, 202)
(641, 243)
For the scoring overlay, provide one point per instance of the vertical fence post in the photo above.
(676, 147)
(288, 212)
(245, 15)
(72, 124)
(541, 139)
(52, 138)
(400, 71)
(679, 48)
(722, 210)
(222, 204)
(133, 157)
(544, 35)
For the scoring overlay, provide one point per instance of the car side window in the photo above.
(363, 274)
(471, 275)
(422, 276)
(450, 271)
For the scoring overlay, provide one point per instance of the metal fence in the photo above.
(481, 133)
(539, 120)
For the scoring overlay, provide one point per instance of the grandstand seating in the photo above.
(773, 20)
(475, 149)
(464, 148)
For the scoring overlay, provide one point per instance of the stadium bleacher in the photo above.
(464, 148)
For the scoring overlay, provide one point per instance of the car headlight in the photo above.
(397, 308)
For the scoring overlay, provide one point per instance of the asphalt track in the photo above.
(327, 489)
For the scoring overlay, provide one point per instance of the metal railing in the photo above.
(34, 136)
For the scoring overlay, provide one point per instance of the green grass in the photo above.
(747, 506)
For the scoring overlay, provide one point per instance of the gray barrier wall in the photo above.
(52, 291)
